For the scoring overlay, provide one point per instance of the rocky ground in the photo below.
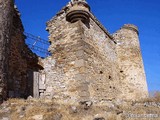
(43, 109)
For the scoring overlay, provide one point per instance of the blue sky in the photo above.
(112, 14)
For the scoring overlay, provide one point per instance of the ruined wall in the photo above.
(21, 61)
(83, 63)
(6, 10)
(61, 69)
(101, 63)
(132, 76)
(86, 60)
(17, 62)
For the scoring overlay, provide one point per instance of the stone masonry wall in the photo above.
(83, 63)
(132, 76)
(61, 70)
(21, 60)
(88, 63)
(101, 67)
(16, 60)
(6, 10)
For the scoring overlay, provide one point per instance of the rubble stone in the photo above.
(89, 62)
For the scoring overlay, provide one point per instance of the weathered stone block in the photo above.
(80, 77)
(83, 87)
(42, 86)
(49, 89)
(79, 53)
(79, 63)
(37, 117)
(84, 94)
(5, 118)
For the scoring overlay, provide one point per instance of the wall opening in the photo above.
(101, 72)
(121, 71)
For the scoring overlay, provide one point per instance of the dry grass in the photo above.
(146, 106)
(157, 96)
(26, 109)
(29, 108)
(57, 110)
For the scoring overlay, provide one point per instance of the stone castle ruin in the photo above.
(87, 63)
(17, 61)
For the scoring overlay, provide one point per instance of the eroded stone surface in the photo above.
(88, 63)
(17, 62)
(131, 71)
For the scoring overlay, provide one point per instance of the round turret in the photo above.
(78, 11)
(131, 27)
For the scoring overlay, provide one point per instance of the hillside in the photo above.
(44, 109)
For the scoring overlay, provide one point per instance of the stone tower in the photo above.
(86, 62)
(132, 76)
